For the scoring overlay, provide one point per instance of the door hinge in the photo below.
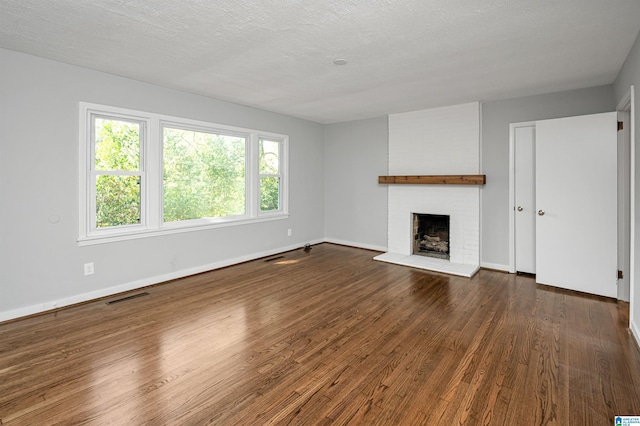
(620, 275)
(620, 125)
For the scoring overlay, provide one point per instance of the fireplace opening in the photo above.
(431, 235)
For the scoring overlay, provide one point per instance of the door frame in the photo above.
(512, 191)
(624, 199)
(627, 103)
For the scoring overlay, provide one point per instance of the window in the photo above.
(204, 174)
(269, 175)
(116, 178)
(146, 174)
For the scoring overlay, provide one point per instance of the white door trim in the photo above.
(624, 219)
(512, 191)
(628, 103)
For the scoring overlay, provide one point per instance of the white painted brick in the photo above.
(436, 141)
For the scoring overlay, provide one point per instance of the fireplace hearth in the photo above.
(431, 235)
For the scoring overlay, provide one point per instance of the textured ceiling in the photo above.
(278, 55)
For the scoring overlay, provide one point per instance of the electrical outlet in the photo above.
(88, 268)
(289, 233)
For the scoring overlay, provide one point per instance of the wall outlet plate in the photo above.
(88, 268)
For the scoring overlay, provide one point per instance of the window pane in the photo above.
(269, 157)
(204, 175)
(117, 145)
(117, 200)
(269, 193)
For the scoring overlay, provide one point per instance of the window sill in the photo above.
(174, 229)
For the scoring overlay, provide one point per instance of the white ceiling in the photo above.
(278, 55)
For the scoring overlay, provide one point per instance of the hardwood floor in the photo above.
(325, 337)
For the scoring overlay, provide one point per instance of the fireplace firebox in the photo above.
(431, 235)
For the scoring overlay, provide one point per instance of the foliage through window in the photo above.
(118, 171)
(269, 175)
(147, 173)
(204, 175)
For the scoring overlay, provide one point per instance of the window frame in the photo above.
(281, 167)
(151, 176)
(211, 130)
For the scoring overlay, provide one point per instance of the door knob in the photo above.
(541, 212)
(519, 208)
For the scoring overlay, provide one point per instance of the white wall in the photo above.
(496, 117)
(630, 75)
(41, 265)
(356, 205)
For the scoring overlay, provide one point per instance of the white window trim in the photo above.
(151, 223)
(92, 173)
(283, 166)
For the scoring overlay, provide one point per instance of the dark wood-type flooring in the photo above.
(328, 336)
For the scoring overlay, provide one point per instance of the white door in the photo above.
(525, 199)
(576, 225)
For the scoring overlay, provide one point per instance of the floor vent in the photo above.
(274, 258)
(133, 296)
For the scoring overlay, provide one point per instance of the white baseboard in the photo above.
(355, 244)
(635, 332)
(134, 285)
(496, 266)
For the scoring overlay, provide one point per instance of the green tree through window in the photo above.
(148, 174)
(118, 178)
(269, 157)
(204, 175)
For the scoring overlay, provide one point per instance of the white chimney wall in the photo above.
(439, 141)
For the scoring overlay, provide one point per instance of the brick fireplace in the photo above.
(437, 141)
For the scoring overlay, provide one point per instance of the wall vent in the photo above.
(133, 296)
(274, 258)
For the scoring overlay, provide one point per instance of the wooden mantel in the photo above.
(435, 179)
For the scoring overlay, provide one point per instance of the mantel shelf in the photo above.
(434, 180)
